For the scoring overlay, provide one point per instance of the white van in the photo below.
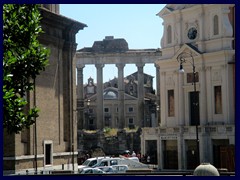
(132, 163)
(91, 162)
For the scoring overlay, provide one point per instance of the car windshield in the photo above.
(86, 162)
(90, 163)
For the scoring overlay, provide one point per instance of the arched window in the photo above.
(169, 34)
(215, 25)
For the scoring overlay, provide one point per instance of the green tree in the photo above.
(23, 59)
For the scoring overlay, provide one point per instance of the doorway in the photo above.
(223, 154)
(191, 154)
(170, 154)
(151, 149)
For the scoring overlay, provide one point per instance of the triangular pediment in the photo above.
(169, 8)
(188, 50)
(165, 11)
(175, 7)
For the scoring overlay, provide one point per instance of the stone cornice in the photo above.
(60, 21)
(38, 156)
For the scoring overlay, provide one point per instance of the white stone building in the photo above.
(205, 33)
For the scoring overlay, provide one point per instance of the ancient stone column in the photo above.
(80, 97)
(100, 119)
(121, 118)
(140, 121)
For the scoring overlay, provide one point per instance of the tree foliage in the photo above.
(23, 59)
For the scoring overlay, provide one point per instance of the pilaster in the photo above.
(158, 93)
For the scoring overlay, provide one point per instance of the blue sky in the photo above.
(136, 23)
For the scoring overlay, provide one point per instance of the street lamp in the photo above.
(88, 103)
(183, 58)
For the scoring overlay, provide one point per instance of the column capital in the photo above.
(80, 66)
(98, 66)
(120, 65)
(140, 65)
(157, 65)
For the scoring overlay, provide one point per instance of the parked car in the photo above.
(91, 162)
(120, 168)
(132, 162)
(108, 162)
(92, 171)
(106, 169)
(114, 169)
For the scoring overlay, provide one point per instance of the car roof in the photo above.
(102, 157)
(112, 158)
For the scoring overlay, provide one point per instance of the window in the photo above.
(218, 99)
(170, 103)
(130, 120)
(106, 110)
(113, 162)
(169, 34)
(104, 163)
(48, 152)
(130, 109)
(91, 121)
(92, 163)
(215, 25)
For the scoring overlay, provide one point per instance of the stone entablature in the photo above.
(128, 57)
(210, 129)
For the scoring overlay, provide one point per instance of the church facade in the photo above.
(110, 109)
(197, 107)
